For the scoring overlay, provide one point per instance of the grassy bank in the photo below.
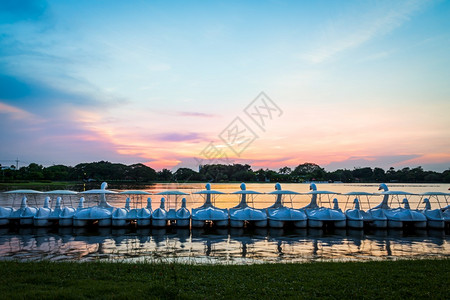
(388, 279)
(38, 185)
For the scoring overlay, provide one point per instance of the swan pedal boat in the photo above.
(401, 216)
(179, 217)
(159, 215)
(242, 213)
(356, 217)
(435, 217)
(319, 217)
(208, 213)
(25, 214)
(143, 216)
(279, 215)
(100, 214)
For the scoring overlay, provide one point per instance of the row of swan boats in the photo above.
(277, 215)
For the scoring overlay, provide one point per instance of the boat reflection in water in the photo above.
(219, 245)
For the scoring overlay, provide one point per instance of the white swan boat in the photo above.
(144, 215)
(119, 216)
(322, 216)
(47, 216)
(401, 216)
(435, 217)
(5, 213)
(208, 212)
(378, 213)
(183, 215)
(100, 214)
(136, 212)
(25, 214)
(443, 207)
(67, 213)
(278, 214)
(356, 217)
(159, 215)
(41, 218)
(242, 213)
(171, 206)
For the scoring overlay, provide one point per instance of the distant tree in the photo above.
(165, 175)
(260, 175)
(342, 175)
(379, 175)
(141, 173)
(57, 172)
(309, 171)
(363, 174)
(186, 174)
(32, 172)
(285, 170)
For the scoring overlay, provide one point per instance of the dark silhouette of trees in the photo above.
(104, 170)
(141, 173)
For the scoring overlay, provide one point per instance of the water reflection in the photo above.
(219, 245)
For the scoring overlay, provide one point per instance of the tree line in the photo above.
(104, 170)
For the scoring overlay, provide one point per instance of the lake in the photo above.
(234, 246)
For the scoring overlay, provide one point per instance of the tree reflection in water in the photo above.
(219, 245)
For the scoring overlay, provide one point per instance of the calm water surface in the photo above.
(236, 246)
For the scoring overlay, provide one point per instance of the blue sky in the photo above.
(360, 83)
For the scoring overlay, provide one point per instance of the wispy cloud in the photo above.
(179, 137)
(363, 28)
(16, 113)
(195, 114)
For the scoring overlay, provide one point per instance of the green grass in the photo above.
(379, 280)
(38, 185)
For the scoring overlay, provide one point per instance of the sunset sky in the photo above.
(349, 83)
